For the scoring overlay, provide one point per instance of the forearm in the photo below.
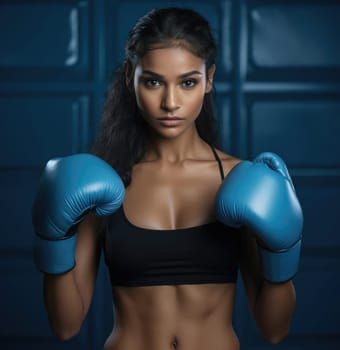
(64, 304)
(272, 305)
(260, 196)
(273, 309)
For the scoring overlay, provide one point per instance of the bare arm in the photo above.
(68, 296)
(272, 305)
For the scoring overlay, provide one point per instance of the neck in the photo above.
(175, 150)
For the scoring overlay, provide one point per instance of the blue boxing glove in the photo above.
(70, 187)
(261, 196)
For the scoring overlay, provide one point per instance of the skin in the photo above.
(179, 166)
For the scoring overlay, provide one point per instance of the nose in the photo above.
(170, 99)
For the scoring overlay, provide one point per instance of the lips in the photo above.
(170, 118)
(170, 121)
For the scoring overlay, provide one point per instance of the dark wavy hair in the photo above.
(122, 137)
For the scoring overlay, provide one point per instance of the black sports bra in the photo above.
(138, 256)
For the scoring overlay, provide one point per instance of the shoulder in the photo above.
(228, 161)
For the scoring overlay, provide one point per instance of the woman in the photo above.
(173, 266)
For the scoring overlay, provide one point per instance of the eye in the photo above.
(151, 83)
(189, 83)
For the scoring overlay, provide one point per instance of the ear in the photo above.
(210, 78)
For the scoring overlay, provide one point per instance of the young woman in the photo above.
(172, 236)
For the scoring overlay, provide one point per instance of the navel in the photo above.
(174, 343)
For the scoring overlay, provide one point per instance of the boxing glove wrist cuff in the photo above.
(55, 257)
(282, 266)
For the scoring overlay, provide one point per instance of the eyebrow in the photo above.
(193, 72)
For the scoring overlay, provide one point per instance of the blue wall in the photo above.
(277, 89)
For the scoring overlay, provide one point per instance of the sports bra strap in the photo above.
(218, 161)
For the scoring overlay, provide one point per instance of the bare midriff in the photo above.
(181, 317)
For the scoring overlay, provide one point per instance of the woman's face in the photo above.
(170, 84)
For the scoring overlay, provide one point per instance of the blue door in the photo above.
(277, 89)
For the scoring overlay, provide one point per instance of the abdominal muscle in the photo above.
(188, 317)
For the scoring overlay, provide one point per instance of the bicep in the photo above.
(87, 258)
